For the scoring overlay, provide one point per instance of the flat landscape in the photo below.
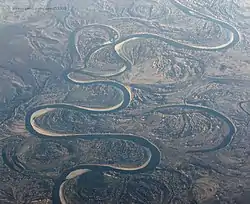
(125, 102)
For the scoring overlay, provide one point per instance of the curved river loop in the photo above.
(117, 42)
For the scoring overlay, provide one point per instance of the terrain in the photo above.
(135, 101)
